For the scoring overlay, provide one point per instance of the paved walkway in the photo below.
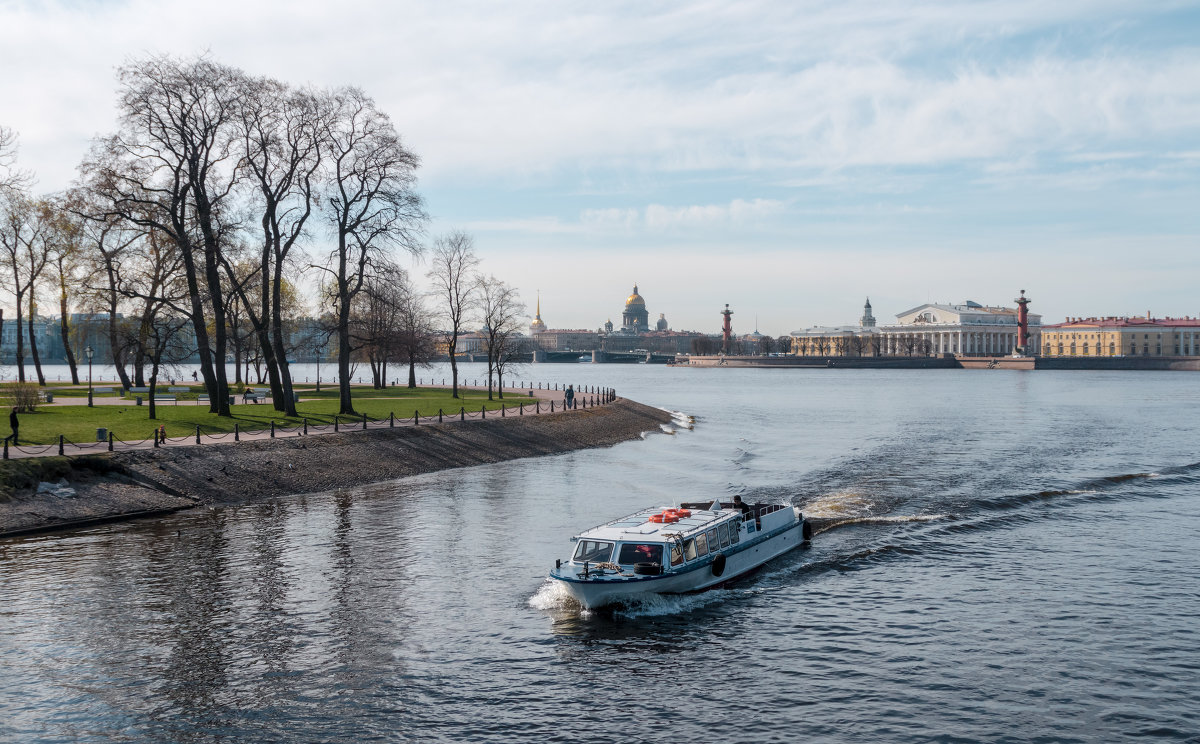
(517, 402)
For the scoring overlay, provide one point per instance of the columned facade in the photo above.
(969, 329)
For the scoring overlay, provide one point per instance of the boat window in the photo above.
(641, 553)
(689, 550)
(676, 555)
(594, 551)
(701, 545)
(735, 530)
(723, 531)
(714, 542)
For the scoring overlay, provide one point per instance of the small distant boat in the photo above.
(585, 358)
(667, 550)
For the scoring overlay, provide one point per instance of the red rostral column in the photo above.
(726, 330)
(1022, 324)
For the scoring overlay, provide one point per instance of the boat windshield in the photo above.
(641, 553)
(594, 551)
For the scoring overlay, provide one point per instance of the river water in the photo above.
(1009, 556)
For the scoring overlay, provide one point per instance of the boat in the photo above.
(677, 550)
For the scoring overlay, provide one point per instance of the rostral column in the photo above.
(726, 330)
(1022, 324)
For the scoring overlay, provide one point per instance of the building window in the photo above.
(1085, 348)
(1133, 348)
(1112, 349)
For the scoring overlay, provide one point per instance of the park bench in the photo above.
(104, 390)
(164, 397)
(138, 391)
(178, 390)
(202, 398)
(256, 397)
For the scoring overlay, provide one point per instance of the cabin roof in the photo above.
(637, 526)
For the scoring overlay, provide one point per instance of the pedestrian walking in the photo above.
(570, 396)
(15, 424)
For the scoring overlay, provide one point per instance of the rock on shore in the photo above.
(175, 477)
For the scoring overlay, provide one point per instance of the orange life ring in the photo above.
(657, 518)
(683, 513)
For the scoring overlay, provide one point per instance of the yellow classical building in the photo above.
(1114, 336)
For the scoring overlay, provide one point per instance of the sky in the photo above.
(790, 159)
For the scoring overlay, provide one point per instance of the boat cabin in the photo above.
(654, 541)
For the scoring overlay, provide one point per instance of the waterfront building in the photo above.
(568, 339)
(1122, 336)
(850, 340)
(966, 329)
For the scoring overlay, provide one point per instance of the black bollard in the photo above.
(60, 444)
(197, 433)
(364, 422)
(483, 412)
(110, 441)
(462, 414)
(335, 424)
(305, 427)
(416, 418)
(439, 415)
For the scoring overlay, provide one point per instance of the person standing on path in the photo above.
(14, 423)
(570, 396)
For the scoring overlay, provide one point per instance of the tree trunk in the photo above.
(20, 340)
(412, 370)
(114, 345)
(65, 328)
(33, 349)
(453, 365)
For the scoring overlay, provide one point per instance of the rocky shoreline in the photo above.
(141, 483)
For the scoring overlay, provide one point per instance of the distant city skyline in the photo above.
(787, 159)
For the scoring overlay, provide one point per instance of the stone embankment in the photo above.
(145, 482)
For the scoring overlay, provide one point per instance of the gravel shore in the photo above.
(151, 481)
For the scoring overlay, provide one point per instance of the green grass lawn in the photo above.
(132, 422)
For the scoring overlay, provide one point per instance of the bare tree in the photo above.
(281, 135)
(784, 344)
(24, 257)
(704, 345)
(414, 334)
(65, 252)
(502, 310)
(370, 204)
(11, 178)
(105, 239)
(171, 168)
(452, 269)
(154, 279)
(376, 321)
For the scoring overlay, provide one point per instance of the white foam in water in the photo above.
(553, 596)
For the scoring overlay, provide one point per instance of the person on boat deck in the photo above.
(739, 504)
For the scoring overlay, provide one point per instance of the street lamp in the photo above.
(89, 352)
(317, 347)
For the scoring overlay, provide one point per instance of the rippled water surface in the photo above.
(1006, 556)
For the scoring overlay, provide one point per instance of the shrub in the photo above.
(23, 395)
